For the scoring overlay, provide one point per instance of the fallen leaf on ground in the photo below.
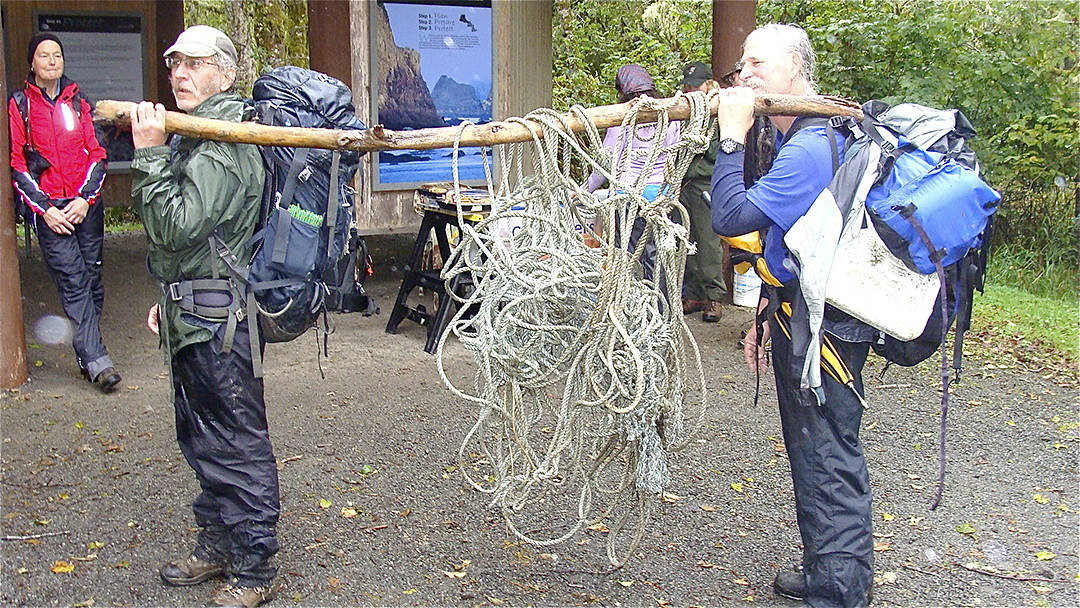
(62, 567)
(707, 508)
(1045, 555)
(457, 574)
(886, 578)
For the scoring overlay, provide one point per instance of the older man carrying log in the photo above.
(820, 425)
(186, 192)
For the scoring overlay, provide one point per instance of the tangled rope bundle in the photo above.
(586, 373)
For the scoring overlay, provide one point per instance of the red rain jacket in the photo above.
(65, 138)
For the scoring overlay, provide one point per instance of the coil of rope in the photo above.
(586, 376)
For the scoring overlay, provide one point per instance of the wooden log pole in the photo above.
(488, 134)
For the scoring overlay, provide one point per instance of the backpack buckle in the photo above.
(837, 121)
(172, 290)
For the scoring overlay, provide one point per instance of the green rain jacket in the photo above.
(185, 191)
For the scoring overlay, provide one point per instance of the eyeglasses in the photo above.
(191, 63)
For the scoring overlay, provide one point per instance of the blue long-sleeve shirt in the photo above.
(802, 169)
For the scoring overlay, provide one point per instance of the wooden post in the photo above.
(488, 134)
(732, 20)
(13, 370)
(169, 22)
(329, 43)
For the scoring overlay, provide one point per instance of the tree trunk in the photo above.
(240, 26)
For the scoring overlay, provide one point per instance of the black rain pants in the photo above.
(828, 471)
(74, 263)
(222, 431)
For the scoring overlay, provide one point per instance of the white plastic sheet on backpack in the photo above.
(871, 284)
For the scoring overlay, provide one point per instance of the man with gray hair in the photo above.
(820, 424)
(191, 194)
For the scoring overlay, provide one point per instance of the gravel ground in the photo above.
(100, 481)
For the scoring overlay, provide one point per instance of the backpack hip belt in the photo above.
(188, 294)
(189, 297)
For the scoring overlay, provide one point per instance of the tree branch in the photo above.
(488, 134)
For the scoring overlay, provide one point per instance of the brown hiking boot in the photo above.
(692, 306)
(233, 595)
(713, 311)
(191, 571)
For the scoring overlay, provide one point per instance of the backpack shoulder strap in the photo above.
(23, 105)
(830, 124)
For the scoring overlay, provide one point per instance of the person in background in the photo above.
(188, 191)
(820, 427)
(703, 284)
(57, 169)
(633, 81)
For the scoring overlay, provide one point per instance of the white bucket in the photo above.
(747, 287)
(505, 228)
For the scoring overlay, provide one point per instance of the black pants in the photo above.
(221, 428)
(828, 471)
(74, 263)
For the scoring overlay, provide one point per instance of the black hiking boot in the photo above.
(107, 380)
(791, 584)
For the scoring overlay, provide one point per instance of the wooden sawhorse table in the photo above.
(438, 217)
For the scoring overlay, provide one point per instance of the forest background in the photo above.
(1010, 65)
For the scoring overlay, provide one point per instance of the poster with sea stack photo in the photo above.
(432, 68)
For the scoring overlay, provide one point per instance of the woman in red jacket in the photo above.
(58, 167)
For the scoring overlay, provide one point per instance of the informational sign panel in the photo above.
(432, 67)
(104, 55)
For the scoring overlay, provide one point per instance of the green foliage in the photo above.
(1038, 320)
(278, 29)
(122, 219)
(592, 39)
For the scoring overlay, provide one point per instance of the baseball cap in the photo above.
(202, 41)
(695, 73)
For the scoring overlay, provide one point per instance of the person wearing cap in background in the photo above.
(57, 170)
(633, 81)
(703, 286)
(186, 192)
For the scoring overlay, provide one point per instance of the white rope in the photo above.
(586, 373)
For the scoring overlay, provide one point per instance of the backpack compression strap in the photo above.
(332, 204)
(909, 213)
(281, 239)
